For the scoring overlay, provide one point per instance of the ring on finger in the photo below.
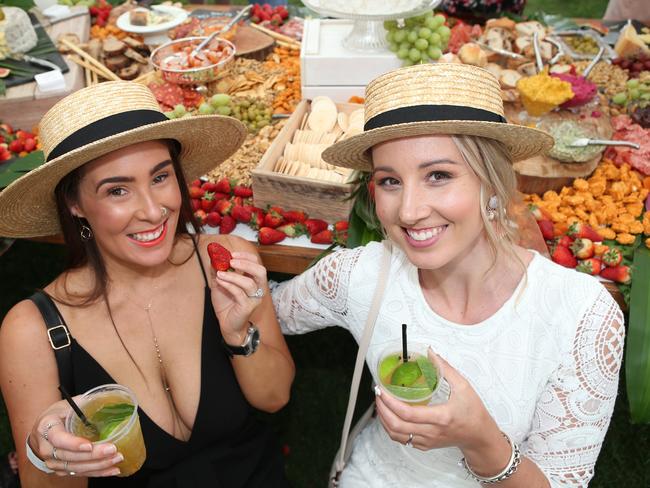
(409, 442)
(54, 453)
(259, 293)
(47, 428)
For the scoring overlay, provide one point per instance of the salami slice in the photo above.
(167, 93)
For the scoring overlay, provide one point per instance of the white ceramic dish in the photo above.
(178, 16)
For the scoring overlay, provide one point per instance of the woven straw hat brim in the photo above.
(522, 142)
(28, 205)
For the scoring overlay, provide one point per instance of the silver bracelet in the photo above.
(508, 471)
(35, 460)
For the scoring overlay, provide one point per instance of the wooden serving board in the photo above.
(251, 43)
(542, 173)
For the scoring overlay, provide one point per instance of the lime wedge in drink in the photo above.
(388, 365)
(110, 417)
(409, 393)
(406, 374)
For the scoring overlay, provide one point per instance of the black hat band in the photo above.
(106, 127)
(431, 113)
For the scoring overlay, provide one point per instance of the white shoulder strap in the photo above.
(361, 354)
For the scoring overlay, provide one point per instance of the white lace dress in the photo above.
(546, 364)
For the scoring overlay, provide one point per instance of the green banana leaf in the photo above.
(364, 226)
(13, 170)
(637, 355)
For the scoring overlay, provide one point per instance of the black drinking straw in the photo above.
(405, 355)
(75, 407)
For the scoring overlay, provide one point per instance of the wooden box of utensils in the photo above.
(292, 173)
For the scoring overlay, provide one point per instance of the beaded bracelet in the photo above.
(508, 471)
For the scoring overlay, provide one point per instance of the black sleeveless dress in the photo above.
(228, 447)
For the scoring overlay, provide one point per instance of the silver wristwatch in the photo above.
(249, 346)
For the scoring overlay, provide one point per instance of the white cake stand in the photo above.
(368, 33)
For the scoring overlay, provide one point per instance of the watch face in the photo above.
(255, 340)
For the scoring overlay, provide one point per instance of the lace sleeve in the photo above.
(574, 410)
(317, 298)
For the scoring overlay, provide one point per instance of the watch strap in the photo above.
(247, 348)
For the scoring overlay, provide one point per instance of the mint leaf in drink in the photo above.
(429, 372)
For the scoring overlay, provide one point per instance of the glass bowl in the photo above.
(368, 33)
(171, 60)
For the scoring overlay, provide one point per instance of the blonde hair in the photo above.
(491, 163)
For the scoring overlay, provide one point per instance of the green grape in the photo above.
(620, 98)
(434, 53)
(444, 32)
(402, 53)
(206, 109)
(632, 83)
(393, 47)
(170, 114)
(405, 45)
(390, 24)
(421, 44)
(411, 22)
(424, 33)
(399, 36)
(412, 36)
(224, 110)
(431, 23)
(415, 55)
(634, 93)
(428, 15)
(389, 36)
(645, 96)
(435, 39)
(440, 19)
(179, 110)
(407, 62)
(219, 100)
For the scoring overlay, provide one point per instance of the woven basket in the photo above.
(320, 199)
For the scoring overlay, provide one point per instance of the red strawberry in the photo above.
(224, 207)
(323, 237)
(241, 214)
(6, 128)
(196, 183)
(223, 186)
(565, 241)
(208, 202)
(213, 219)
(257, 218)
(282, 11)
(612, 257)
(578, 229)
(562, 255)
(276, 19)
(341, 238)
(200, 216)
(220, 196)
(546, 227)
(538, 212)
(196, 192)
(196, 204)
(209, 186)
(590, 266)
(243, 191)
(293, 229)
(269, 236)
(219, 257)
(30, 144)
(314, 226)
(341, 225)
(294, 216)
(23, 135)
(16, 146)
(583, 248)
(273, 218)
(227, 225)
(620, 274)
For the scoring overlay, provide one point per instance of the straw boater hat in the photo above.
(95, 121)
(440, 98)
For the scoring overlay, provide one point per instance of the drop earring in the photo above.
(85, 232)
(492, 207)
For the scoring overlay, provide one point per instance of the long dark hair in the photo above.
(85, 252)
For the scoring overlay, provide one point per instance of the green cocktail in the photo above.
(413, 381)
(113, 411)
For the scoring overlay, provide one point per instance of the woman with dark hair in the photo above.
(139, 304)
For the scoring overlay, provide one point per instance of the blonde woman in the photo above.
(531, 350)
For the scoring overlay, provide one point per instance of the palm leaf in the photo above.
(15, 169)
(637, 356)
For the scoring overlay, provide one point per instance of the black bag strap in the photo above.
(58, 335)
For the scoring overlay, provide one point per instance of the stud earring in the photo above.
(492, 207)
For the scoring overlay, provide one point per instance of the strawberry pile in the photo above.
(100, 12)
(15, 144)
(581, 248)
(264, 12)
(224, 204)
